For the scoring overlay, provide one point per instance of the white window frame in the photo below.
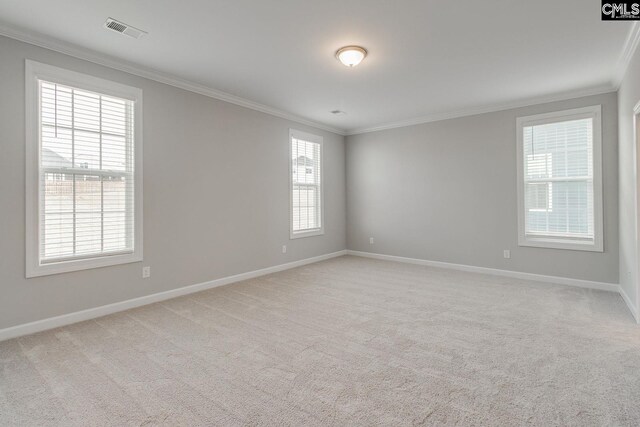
(297, 134)
(597, 245)
(35, 71)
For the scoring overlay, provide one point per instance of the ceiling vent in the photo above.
(122, 28)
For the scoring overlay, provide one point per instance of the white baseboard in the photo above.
(632, 308)
(92, 313)
(611, 287)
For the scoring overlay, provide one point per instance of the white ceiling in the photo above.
(427, 58)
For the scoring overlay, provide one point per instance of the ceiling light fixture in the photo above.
(351, 55)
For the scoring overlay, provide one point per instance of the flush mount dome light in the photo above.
(351, 55)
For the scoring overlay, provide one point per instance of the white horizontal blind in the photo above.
(86, 206)
(306, 185)
(558, 180)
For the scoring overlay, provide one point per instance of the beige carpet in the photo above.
(350, 341)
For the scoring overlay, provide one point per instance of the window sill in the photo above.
(309, 233)
(37, 270)
(559, 243)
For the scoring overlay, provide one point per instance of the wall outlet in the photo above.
(284, 249)
(146, 272)
(371, 240)
(507, 253)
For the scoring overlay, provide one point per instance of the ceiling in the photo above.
(427, 58)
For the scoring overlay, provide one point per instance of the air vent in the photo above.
(123, 28)
(338, 112)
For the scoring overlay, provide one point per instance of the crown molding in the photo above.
(630, 46)
(628, 50)
(486, 109)
(148, 73)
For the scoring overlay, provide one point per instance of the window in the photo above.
(560, 180)
(306, 184)
(84, 186)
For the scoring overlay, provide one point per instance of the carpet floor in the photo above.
(349, 341)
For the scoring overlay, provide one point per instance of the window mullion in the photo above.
(560, 179)
(299, 208)
(566, 193)
(74, 213)
(55, 108)
(83, 130)
(101, 214)
(130, 184)
(83, 171)
(101, 177)
(73, 163)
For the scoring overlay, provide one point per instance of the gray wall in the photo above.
(216, 194)
(216, 199)
(628, 97)
(446, 191)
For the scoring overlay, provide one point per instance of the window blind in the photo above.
(558, 179)
(306, 185)
(86, 174)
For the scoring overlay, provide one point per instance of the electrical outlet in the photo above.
(371, 240)
(146, 272)
(284, 249)
(507, 253)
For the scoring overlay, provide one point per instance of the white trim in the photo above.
(34, 71)
(602, 286)
(631, 44)
(632, 309)
(148, 73)
(628, 50)
(307, 233)
(587, 284)
(636, 219)
(92, 313)
(491, 108)
(305, 136)
(597, 245)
